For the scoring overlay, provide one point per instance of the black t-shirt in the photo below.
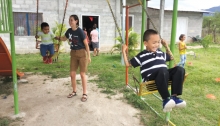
(75, 38)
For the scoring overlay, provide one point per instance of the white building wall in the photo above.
(53, 10)
(194, 22)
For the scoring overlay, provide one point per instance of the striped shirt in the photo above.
(46, 39)
(150, 62)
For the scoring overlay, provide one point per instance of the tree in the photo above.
(206, 41)
(212, 24)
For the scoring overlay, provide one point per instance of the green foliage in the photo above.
(57, 30)
(211, 21)
(206, 21)
(211, 25)
(5, 121)
(206, 41)
(6, 86)
(133, 42)
(135, 100)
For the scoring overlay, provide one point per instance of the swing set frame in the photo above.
(7, 26)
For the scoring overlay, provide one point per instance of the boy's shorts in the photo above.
(45, 48)
(78, 59)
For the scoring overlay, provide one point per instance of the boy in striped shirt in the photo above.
(152, 62)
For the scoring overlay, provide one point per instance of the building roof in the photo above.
(183, 9)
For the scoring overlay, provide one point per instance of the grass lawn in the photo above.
(200, 111)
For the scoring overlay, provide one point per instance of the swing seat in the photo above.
(150, 87)
(56, 52)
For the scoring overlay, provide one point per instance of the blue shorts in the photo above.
(45, 48)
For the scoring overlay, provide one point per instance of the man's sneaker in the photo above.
(168, 104)
(179, 102)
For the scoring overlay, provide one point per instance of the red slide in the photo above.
(5, 61)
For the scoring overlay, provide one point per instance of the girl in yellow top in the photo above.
(182, 50)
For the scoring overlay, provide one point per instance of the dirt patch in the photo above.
(43, 102)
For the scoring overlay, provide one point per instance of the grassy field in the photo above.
(200, 111)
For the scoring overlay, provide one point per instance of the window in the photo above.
(25, 23)
(131, 21)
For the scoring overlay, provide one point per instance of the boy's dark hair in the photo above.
(181, 36)
(84, 28)
(147, 34)
(44, 24)
(75, 17)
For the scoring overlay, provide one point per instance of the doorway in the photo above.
(87, 22)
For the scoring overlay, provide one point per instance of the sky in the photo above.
(186, 4)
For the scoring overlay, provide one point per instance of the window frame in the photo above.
(26, 20)
(132, 18)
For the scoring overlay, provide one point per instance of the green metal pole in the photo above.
(173, 32)
(14, 75)
(3, 14)
(173, 39)
(143, 26)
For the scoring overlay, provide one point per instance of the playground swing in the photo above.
(56, 46)
(148, 87)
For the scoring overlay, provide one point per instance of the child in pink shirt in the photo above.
(95, 40)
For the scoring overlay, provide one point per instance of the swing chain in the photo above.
(118, 29)
(37, 23)
(62, 25)
(135, 82)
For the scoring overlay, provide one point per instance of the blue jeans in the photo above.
(45, 48)
(182, 60)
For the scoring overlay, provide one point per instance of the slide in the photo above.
(6, 62)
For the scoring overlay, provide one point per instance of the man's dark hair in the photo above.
(43, 25)
(148, 33)
(181, 36)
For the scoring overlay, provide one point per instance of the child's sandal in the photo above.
(71, 94)
(84, 98)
